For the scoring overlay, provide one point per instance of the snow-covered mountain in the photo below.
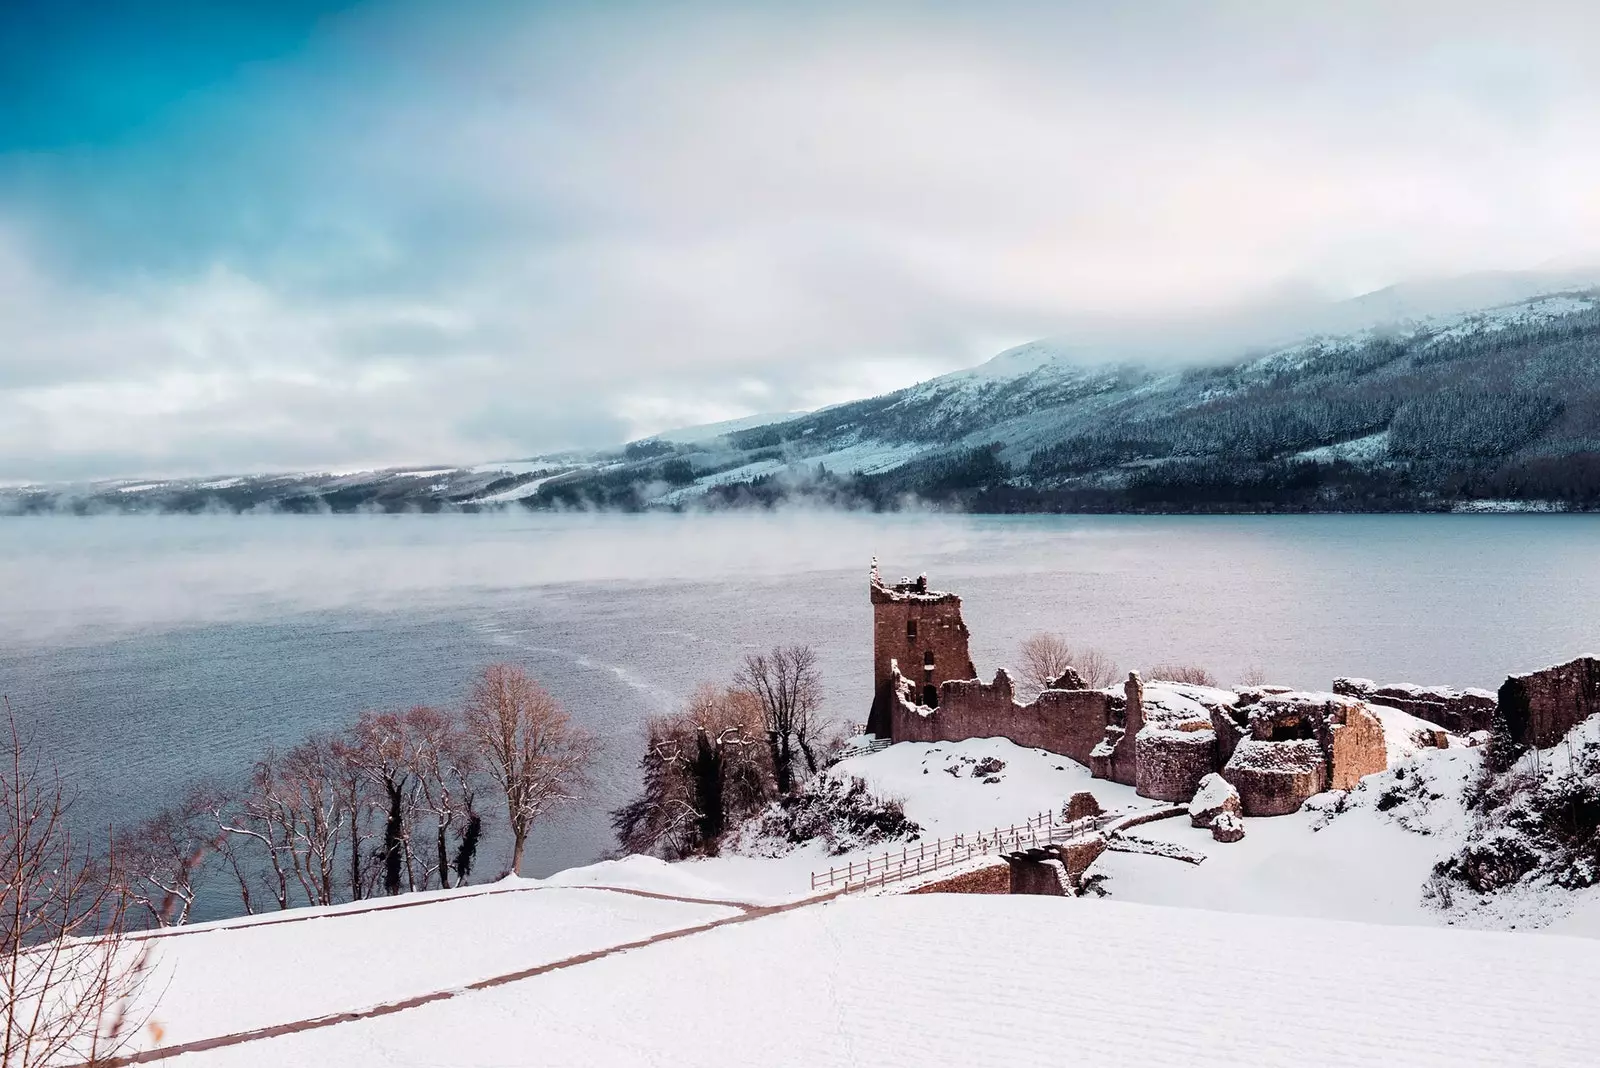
(1492, 407)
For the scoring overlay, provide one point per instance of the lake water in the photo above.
(147, 652)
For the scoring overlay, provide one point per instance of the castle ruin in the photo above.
(1276, 747)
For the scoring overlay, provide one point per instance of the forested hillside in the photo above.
(1497, 409)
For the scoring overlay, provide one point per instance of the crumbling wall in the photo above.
(1357, 747)
(1170, 763)
(1275, 778)
(1542, 706)
(1046, 877)
(1460, 711)
(992, 877)
(1069, 722)
(1077, 855)
(921, 631)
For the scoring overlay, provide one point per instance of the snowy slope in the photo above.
(239, 975)
(912, 981)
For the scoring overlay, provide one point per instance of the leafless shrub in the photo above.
(788, 686)
(537, 756)
(1254, 675)
(158, 860)
(67, 978)
(1098, 669)
(1045, 657)
(1187, 674)
(706, 767)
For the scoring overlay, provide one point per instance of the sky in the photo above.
(291, 234)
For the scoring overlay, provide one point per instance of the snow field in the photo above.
(217, 980)
(950, 979)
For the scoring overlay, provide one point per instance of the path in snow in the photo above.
(355, 962)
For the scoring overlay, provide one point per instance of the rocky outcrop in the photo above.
(1081, 805)
(1459, 711)
(1215, 796)
(1274, 778)
(1542, 706)
(1227, 827)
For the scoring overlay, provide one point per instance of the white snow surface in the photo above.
(215, 979)
(949, 979)
(1370, 449)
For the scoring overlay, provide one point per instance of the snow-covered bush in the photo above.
(1539, 818)
(841, 813)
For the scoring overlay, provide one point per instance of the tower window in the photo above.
(930, 696)
(911, 630)
(927, 658)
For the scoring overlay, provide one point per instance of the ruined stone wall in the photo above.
(1542, 706)
(990, 878)
(921, 630)
(1357, 747)
(1043, 877)
(1275, 778)
(1069, 722)
(1170, 763)
(1457, 711)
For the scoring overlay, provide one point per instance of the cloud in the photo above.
(424, 234)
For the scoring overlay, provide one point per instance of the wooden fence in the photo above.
(918, 858)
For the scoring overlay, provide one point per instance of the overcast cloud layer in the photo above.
(345, 236)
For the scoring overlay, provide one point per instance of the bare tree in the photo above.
(1095, 668)
(66, 977)
(316, 812)
(446, 766)
(158, 860)
(1045, 657)
(539, 759)
(1254, 675)
(705, 767)
(252, 821)
(1188, 674)
(1042, 660)
(788, 684)
(380, 747)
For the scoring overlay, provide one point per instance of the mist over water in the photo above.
(148, 652)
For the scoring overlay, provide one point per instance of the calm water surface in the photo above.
(149, 652)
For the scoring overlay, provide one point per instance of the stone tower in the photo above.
(920, 631)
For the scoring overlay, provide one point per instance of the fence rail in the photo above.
(1047, 828)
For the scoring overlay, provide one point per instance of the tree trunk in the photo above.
(355, 846)
(444, 858)
(391, 845)
(519, 839)
(811, 758)
(708, 791)
(468, 850)
(780, 761)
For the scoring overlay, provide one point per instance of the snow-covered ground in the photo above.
(217, 979)
(947, 979)
(1370, 449)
